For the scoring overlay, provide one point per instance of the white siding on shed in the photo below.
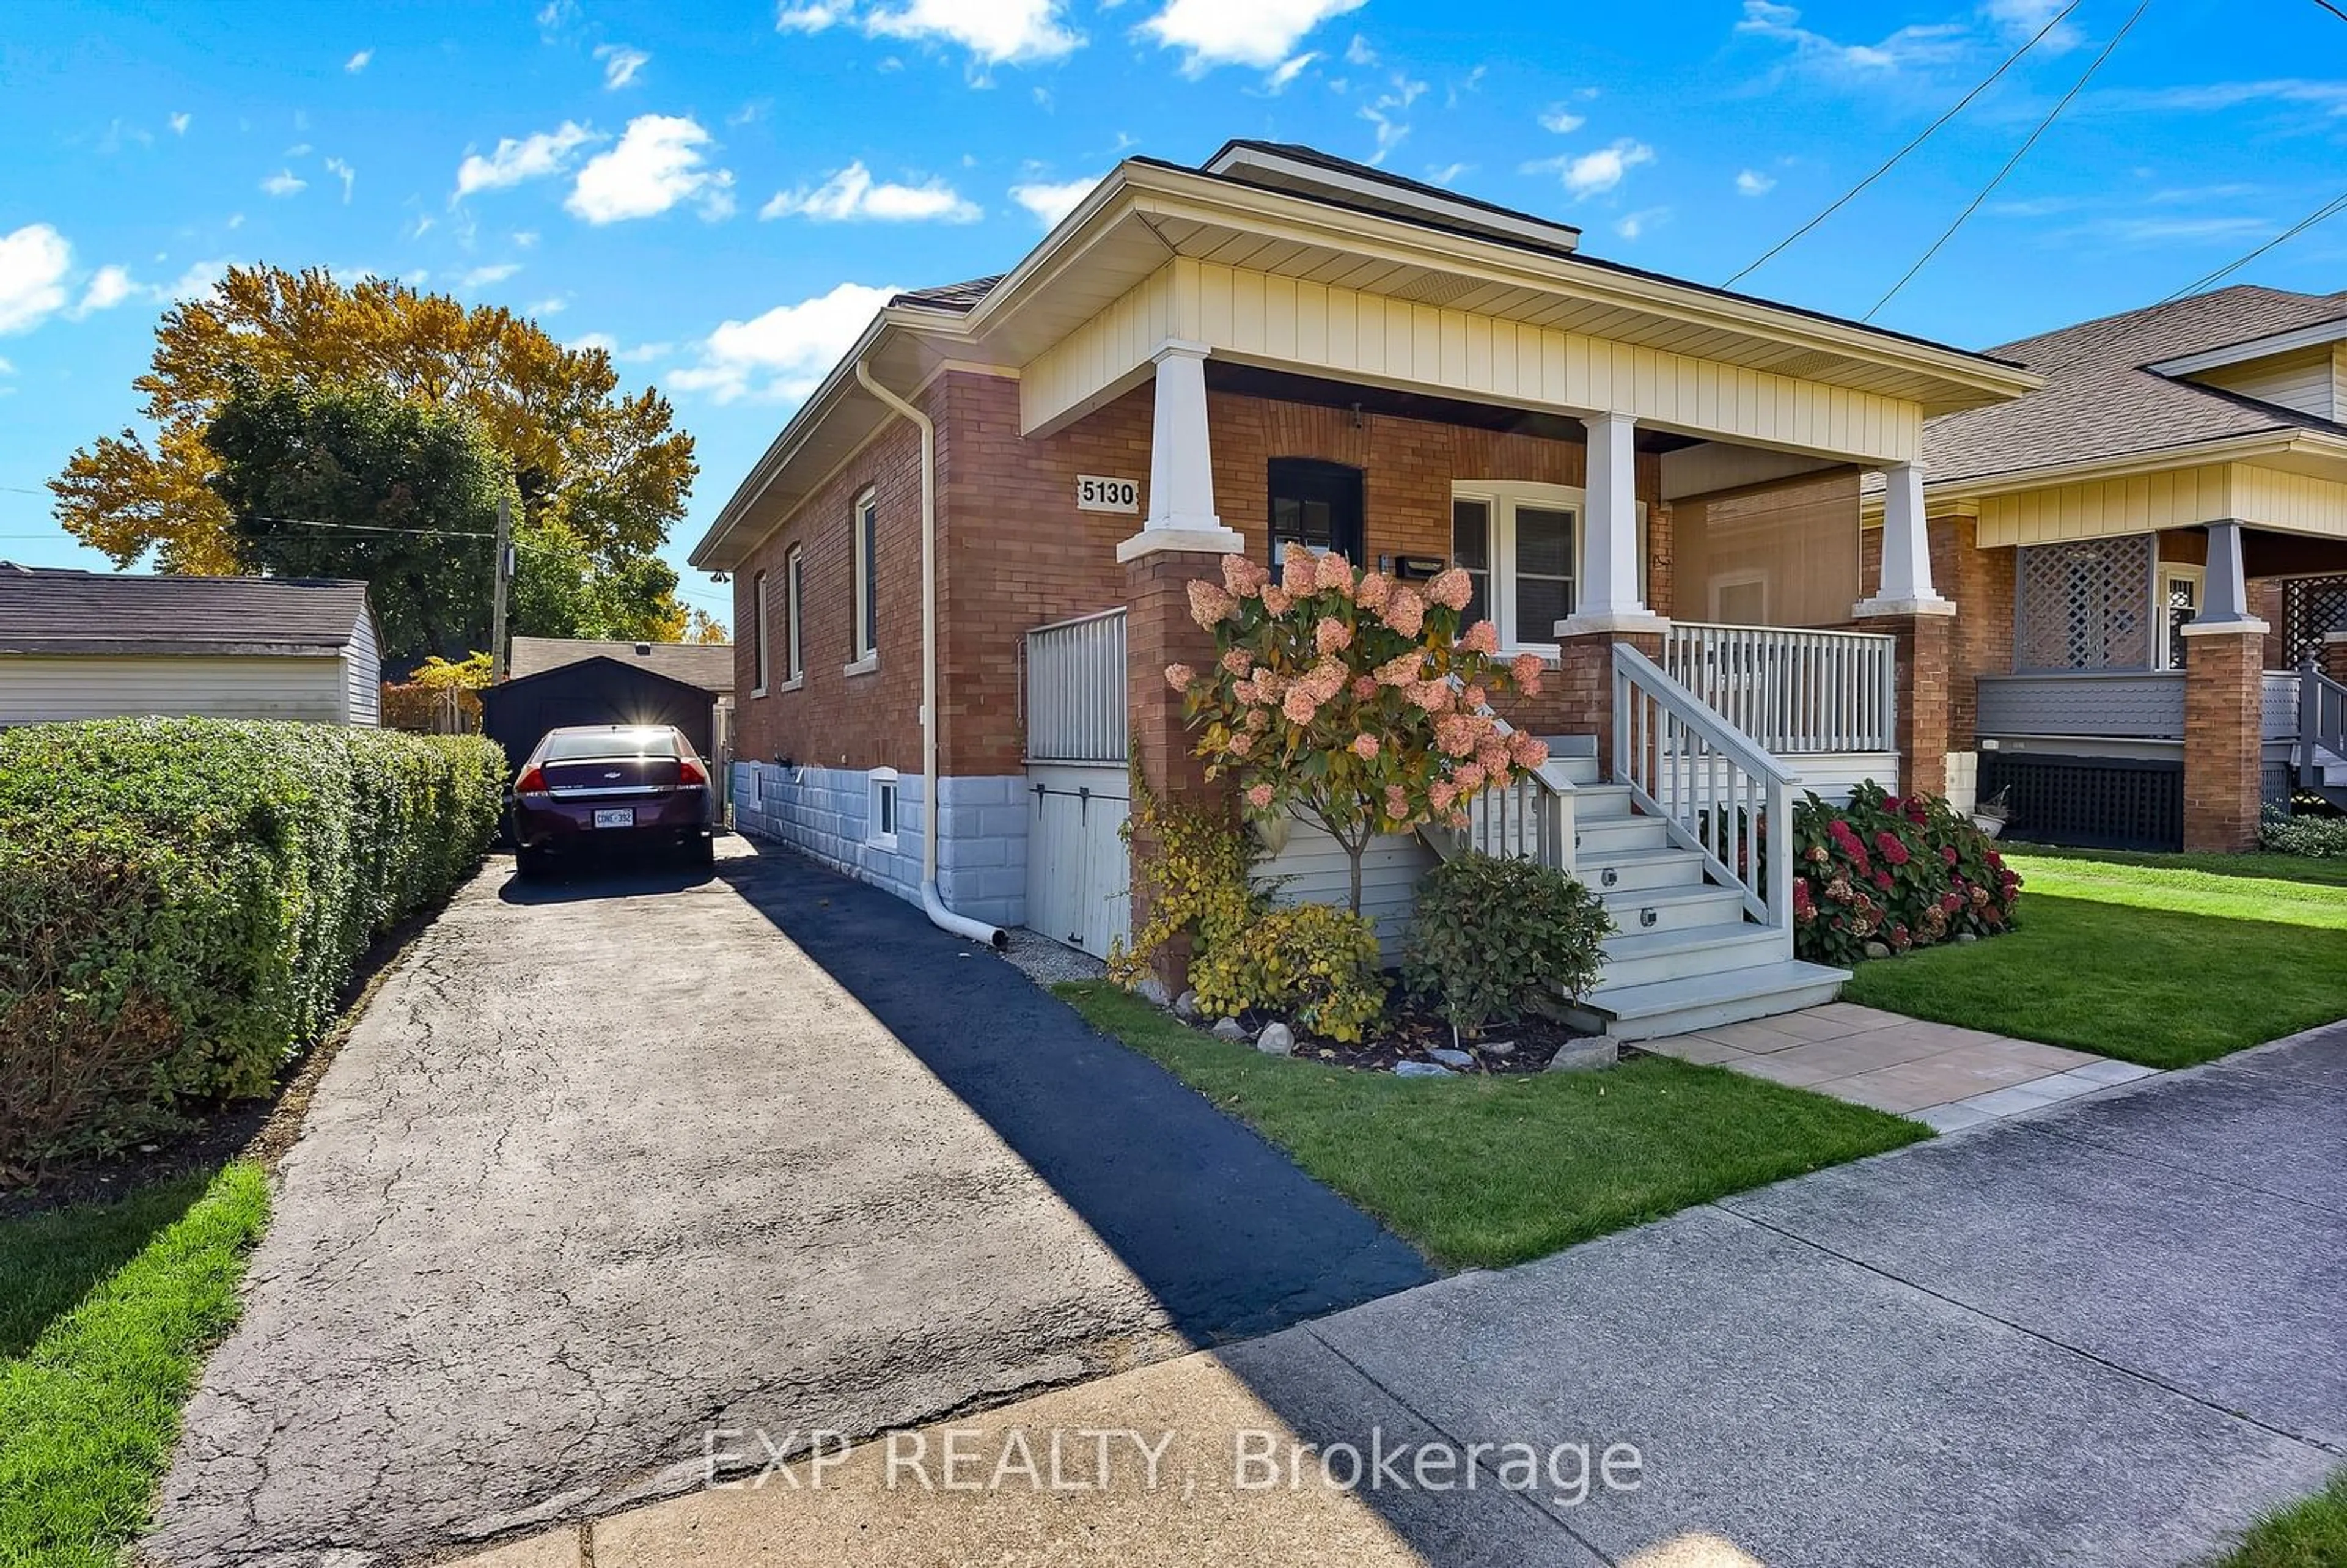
(35, 689)
(363, 675)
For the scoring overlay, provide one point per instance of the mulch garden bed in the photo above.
(1411, 1032)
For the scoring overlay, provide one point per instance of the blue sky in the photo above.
(721, 191)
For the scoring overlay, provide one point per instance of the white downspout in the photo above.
(935, 907)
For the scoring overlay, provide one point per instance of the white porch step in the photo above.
(1672, 908)
(1627, 869)
(1568, 763)
(1643, 957)
(1600, 803)
(1600, 840)
(1658, 1009)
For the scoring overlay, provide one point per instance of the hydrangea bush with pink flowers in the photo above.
(1904, 871)
(1351, 700)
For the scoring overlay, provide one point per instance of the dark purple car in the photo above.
(594, 789)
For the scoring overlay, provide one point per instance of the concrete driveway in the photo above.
(608, 1165)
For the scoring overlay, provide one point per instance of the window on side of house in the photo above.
(793, 668)
(758, 635)
(1520, 542)
(867, 545)
(2179, 601)
(880, 823)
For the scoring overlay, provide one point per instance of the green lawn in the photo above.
(107, 1312)
(2311, 1535)
(2163, 960)
(1483, 1171)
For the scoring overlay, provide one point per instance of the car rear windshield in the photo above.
(584, 744)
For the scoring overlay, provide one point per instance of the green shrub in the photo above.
(2316, 837)
(1492, 932)
(1906, 872)
(182, 900)
(1313, 965)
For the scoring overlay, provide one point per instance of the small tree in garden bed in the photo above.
(1353, 701)
(1905, 871)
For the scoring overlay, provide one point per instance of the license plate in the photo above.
(618, 817)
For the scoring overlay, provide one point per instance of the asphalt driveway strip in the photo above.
(612, 1165)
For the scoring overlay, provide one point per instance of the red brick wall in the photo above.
(837, 720)
(1980, 642)
(2223, 684)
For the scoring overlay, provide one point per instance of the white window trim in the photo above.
(868, 638)
(876, 781)
(867, 665)
(2166, 572)
(1503, 496)
(758, 654)
(795, 665)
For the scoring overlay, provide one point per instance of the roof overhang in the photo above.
(2319, 335)
(2311, 453)
(1146, 213)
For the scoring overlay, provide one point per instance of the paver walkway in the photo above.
(1935, 1072)
(2104, 1334)
(611, 1164)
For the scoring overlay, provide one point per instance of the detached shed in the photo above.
(598, 690)
(93, 645)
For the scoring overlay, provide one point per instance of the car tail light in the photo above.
(532, 782)
(689, 772)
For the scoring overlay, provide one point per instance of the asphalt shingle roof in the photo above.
(2100, 403)
(708, 665)
(62, 612)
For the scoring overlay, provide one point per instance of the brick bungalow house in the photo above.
(960, 567)
(2144, 554)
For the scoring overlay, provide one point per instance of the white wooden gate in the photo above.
(1079, 874)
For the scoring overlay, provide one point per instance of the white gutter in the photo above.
(939, 916)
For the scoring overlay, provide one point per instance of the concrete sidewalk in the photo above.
(2105, 1333)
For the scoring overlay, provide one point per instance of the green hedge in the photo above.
(182, 901)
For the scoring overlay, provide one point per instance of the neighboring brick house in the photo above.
(1280, 347)
(2144, 554)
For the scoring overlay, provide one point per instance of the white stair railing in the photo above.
(1528, 818)
(1715, 789)
(2322, 723)
(1791, 689)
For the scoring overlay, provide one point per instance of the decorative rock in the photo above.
(1229, 1029)
(1450, 1058)
(1497, 1046)
(1186, 1007)
(1878, 949)
(1421, 1070)
(1277, 1040)
(1966, 939)
(1152, 990)
(1587, 1054)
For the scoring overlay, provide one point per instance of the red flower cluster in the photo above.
(1903, 871)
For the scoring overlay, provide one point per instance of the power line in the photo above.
(1844, 200)
(2334, 10)
(2329, 209)
(2011, 163)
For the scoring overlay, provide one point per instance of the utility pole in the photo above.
(497, 598)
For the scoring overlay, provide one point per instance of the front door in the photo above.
(1317, 505)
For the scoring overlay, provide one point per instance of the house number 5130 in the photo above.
(1094, 494)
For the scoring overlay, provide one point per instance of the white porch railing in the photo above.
(1529, 819)
(1075, 690)
(1791, 691)
(1714, 787)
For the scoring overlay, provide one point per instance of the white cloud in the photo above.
(6, 369)
(552, 306)
(285, 182)
(1360, 52)
(1595, 173)
(179, 123)
(107, 288)
(997, 32)
(2019, 20)
(197, 279)
(1260, 33)
(1051, 202)
(358, 61)
(1631, 225)
(482, 277)
(345, 173)
(657, 164)
(1927, 44)
(852, 194)
(2330, 97)
(1561, 120)
(784, 352)
(1752, 182)
(1448, 174)
(1385, 112)
(530, 158)
(1287, 71)
(620, 63)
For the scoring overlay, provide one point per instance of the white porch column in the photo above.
(1181, 463)
(1609, 552)
(2225, 591)
(1906, 585)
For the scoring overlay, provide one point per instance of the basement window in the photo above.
(881, 822)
